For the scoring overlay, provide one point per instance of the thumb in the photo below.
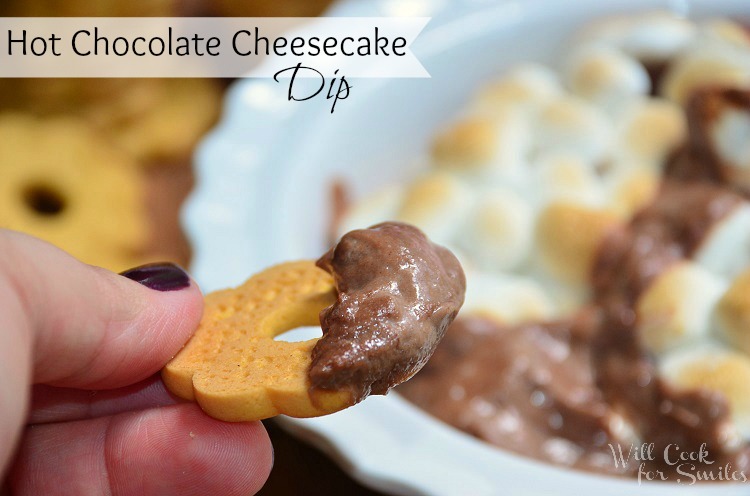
(86, 327)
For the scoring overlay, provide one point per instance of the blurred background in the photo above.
(92, 134)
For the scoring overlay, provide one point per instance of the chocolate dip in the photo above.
(397, 294)
(668, 230)
(569, 391)
(530, 389)
(629, 381)
(574, 391)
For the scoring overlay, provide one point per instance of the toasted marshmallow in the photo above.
(703, 366)
(725, 250)
(657, 36)
(702, 68)
(631, 188)
(650, 130)
(524, 86)
(732, 314)
(652, 36)
(499, 232)
(561, 176)
(676, 307)
(719, 120)
(506, 298)
(436, 203)
(605, 75)
(567, 297)
(467, 144)
(729, 134)
(573, 126)
(479, 145)
(725, 31)
(372, 209)
(567, 238)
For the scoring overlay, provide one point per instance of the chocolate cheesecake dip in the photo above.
(570, 391)
(601, 213)
(397, 294)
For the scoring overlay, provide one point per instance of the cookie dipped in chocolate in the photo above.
(397, 294)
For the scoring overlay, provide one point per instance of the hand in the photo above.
(97, 419)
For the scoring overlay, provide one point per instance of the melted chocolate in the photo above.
(656, 69)
(529, 389)
(340, 198)
(574, 393)
(571, 392)
(629, 381)
(668, 230)
(397, 294)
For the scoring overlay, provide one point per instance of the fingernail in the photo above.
(159, 276)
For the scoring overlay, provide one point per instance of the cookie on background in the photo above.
(268, 8)
(183, 111)
(87, 8)
(64, 183)
(154, 120)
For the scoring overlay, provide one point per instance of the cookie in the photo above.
(101, 97)
(269, 8)
(46, 96)
(383, 297)
(181, 113)
(63, 183)
(235, 369)
(86, 8)
(155, 120)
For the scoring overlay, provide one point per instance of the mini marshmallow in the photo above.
(561, 176)
(657, 36)
(651, 129)
(571, 125)
(506, 298)
(652, 36)
(631, 188)
(499, 231)
(568, 297)
(436, 203)
(372, 209)
(701, 68)
(732, 314)
(467, 144)
(567, 238)
(725, 31)
(523, 86)
(606, 76)
(706, 366)
(725, 250)
(676, 307)
(729, 134)
(479, 145)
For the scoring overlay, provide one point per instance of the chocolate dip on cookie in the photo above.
(397, 294)
(384, 297)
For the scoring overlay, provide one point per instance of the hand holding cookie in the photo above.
(97, 420)
(384, 297)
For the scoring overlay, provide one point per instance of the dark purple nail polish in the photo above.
(159, 276)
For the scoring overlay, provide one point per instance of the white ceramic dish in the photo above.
(262, 197)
